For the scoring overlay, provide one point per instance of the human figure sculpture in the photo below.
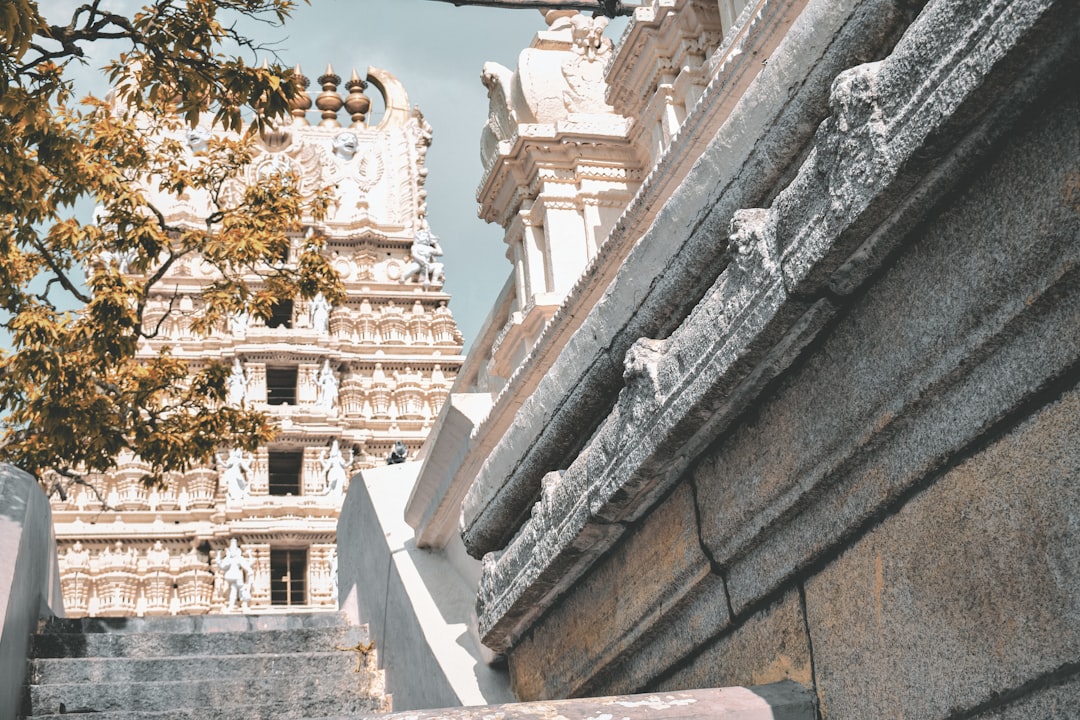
(345, 145)
(238, 381)
(424, 250)
(236, 571)
(234, 474)
(334, 465)
(327, 384)
(198, 139)
(398, 455)
(319, 313)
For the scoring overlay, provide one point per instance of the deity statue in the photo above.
(345, 145)
(319, 313)
(235, 469)
(198, 139)
(327, 384)
(236, 570)
(334, 465)
(424, 250)
(157, 556)
(238, 381)
(398, 455)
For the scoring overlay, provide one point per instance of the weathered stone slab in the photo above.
(600, 618)
(895, 612)
(995, 323)
(770, 646)
(1053, 702)
(700, 614)
(680, 393)
(784, 701)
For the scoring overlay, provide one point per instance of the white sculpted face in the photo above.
(345, 145)
(198, 139)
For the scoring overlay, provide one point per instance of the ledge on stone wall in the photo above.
(779, 701)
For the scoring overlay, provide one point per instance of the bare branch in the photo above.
(610, 8)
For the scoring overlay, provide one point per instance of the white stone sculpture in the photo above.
(345, 145)
(424, 250)
(319, 314)
(238, 382)
(327, 385)
(334, 465)
(198, 139)
(236, 570)
(235, 469)
(157, 556)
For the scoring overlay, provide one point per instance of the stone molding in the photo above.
(866, 180)
(584, 350)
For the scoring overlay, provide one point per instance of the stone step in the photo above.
(300, 691)
(172, 644)
(190, 667)
(338, 709)
(195, 623)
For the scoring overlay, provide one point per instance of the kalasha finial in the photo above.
(329, 101)
(357, 104)
(302, 102)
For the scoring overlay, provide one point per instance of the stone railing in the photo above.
(29, 581)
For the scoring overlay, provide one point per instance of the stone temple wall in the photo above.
(840, 446)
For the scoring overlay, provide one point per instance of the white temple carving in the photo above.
(344, 383)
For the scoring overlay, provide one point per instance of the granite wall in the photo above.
(853, 464)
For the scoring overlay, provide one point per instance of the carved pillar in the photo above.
(319, 578)
(311, 479)
(306, 389)
(260, 582)
(256, 387)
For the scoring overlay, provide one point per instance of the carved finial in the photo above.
(329, 101)
(357, 104)
(302, 102)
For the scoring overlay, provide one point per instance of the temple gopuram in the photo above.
(349, 387)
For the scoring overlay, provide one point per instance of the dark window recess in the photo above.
(280, 314)
(285, 472)
(281, 386)
(288, 577)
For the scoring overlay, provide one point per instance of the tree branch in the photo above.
(610, 8)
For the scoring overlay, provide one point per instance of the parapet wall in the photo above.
(29, 579)
(852, 462)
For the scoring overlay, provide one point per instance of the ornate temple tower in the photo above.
(349, 387)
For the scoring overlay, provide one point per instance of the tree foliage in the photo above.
(77, 386)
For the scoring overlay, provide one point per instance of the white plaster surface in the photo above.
(417, 604)
(29, 581)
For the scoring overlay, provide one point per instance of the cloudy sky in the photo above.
(436, 50)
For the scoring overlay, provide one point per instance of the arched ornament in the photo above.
(398, 111)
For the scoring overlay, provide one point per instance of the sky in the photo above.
(437, 51)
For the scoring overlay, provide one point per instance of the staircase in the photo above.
(212, 667)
